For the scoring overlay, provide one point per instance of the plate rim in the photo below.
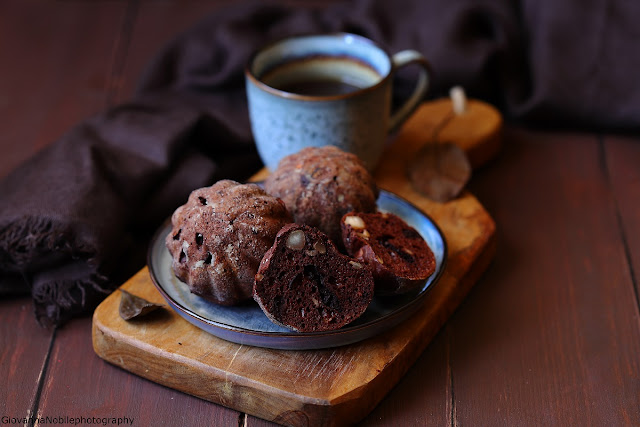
(293, 335)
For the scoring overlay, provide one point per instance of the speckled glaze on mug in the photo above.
(358, 121)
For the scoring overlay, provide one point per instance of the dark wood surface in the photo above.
(549, 336)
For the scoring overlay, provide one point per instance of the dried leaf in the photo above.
(440, 171)
(132, 306)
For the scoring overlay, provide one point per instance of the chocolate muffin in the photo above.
(320, 184)
(305, 284)
(219, 237)
(398, 256)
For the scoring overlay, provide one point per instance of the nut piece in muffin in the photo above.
(219, 237)
(396, 253)
(320, 184)
(305, 284)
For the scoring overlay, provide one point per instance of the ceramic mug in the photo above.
(323, 89)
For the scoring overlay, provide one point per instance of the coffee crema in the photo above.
(321, 76)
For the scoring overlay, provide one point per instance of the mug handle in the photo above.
(402, 59)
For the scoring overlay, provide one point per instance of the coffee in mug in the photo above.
(327, 89)
(321, 76)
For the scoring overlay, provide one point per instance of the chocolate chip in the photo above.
(410, 233)
(384, 240)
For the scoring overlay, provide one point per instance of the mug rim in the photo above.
(297, 96)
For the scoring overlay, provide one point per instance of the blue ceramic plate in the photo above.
(247, 324)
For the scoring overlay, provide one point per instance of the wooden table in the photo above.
(549, 336)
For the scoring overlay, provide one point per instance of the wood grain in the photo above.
(478, 130)
(92, 55)
(326, 387)
(56, 64)
(622, 163)
(83, 385)
(556, 316)
(548, 336)
(24, 347)
(424, 395)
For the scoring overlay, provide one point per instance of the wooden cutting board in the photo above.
(336, 386)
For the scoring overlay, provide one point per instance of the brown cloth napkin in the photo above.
(75, 219)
